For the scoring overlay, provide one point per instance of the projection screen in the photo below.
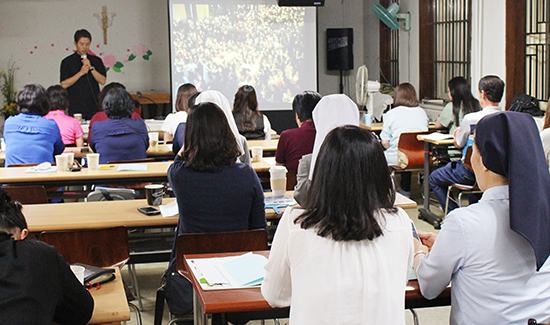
(222, 45)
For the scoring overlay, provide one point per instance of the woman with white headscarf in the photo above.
(331, 111)
(214, 96)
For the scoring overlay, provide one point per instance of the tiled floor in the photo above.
(149, 279)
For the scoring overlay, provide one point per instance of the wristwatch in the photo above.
(92, 68)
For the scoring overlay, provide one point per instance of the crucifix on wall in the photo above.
(105, 20)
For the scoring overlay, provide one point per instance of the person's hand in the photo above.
(456, 131)
(87, 63)
(84, 70)
(419, 247)
(427, 238)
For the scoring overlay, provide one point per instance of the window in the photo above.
(445, 44)
(389, 51)
(536, 49)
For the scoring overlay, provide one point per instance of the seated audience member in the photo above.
(331, 111)
(491, 89)
(215, 193)
(37, 286)
(346, 256)
(179, 135)
(406, 116)
(527, 104)
(462, 103)
(295, 143)
(219, 99)
(495, 252)
(119, 137)
(101, 115)
(545, 137)
(250, 121)
(172, 120)
(69, 127)
(29, 137)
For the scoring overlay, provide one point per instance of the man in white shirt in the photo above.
(491, 89)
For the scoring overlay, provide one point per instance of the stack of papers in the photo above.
(437, 136)
(229, 272)
(133, 167)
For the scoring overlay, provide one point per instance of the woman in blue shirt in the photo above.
(120, 137)
(30, 138)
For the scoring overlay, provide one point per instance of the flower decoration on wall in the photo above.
(140, 50)
(111, 62)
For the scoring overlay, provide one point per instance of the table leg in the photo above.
(425, 213)
(198, 314)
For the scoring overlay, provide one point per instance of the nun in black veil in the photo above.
(495, 252)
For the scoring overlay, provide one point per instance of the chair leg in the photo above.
(415, 317)
(460, 199)
(447, 201)
(132, 269)
(138, 313)
(159, 306)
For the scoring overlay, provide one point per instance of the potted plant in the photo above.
(7, 86)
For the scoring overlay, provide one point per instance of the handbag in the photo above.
(178, 291)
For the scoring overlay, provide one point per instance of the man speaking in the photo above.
(81, 74)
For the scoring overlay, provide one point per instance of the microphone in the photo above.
(84, 56)
(158, 117)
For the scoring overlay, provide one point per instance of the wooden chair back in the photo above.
(32, 194)
(131, 161)
(468, 158)
(412, 148)
(290, 180)
(97, 247)
(219, 242)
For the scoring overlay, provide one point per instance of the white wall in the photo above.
(340, 14)
(39, 34)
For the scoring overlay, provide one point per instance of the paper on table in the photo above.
(170, 209)
(437, 136)
(270, 160)
(205, 269)
(134, 167)
(245, 270)
(33, 169)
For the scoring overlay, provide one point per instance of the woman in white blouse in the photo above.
(345, 257)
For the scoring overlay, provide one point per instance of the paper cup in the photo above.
(278, 180)
(70, 159)
(93, 161)
(154, 193)
(153, 138)
(368, 119)
(61, 162)
(78, 272)
(78, 117)
(257, 153)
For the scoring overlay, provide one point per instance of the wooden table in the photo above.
(250, 300)
(106, 214)
(426, 186)
(110, 304)
(377, 127)
(268, 145)
(156, 172)
(160, 151)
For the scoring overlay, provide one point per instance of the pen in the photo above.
(106, 166)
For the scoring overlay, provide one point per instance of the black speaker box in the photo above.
(340, 48)
(301, 3)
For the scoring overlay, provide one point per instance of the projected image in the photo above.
(225, 46)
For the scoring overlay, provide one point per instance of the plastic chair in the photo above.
(32, 194)
(463, 189)
(97, 247)
(222, 242)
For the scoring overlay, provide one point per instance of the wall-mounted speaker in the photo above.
(339, 48)
(301, 3)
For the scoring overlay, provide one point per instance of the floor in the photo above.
(149, 276)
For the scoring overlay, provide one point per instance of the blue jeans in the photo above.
(453, 172)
